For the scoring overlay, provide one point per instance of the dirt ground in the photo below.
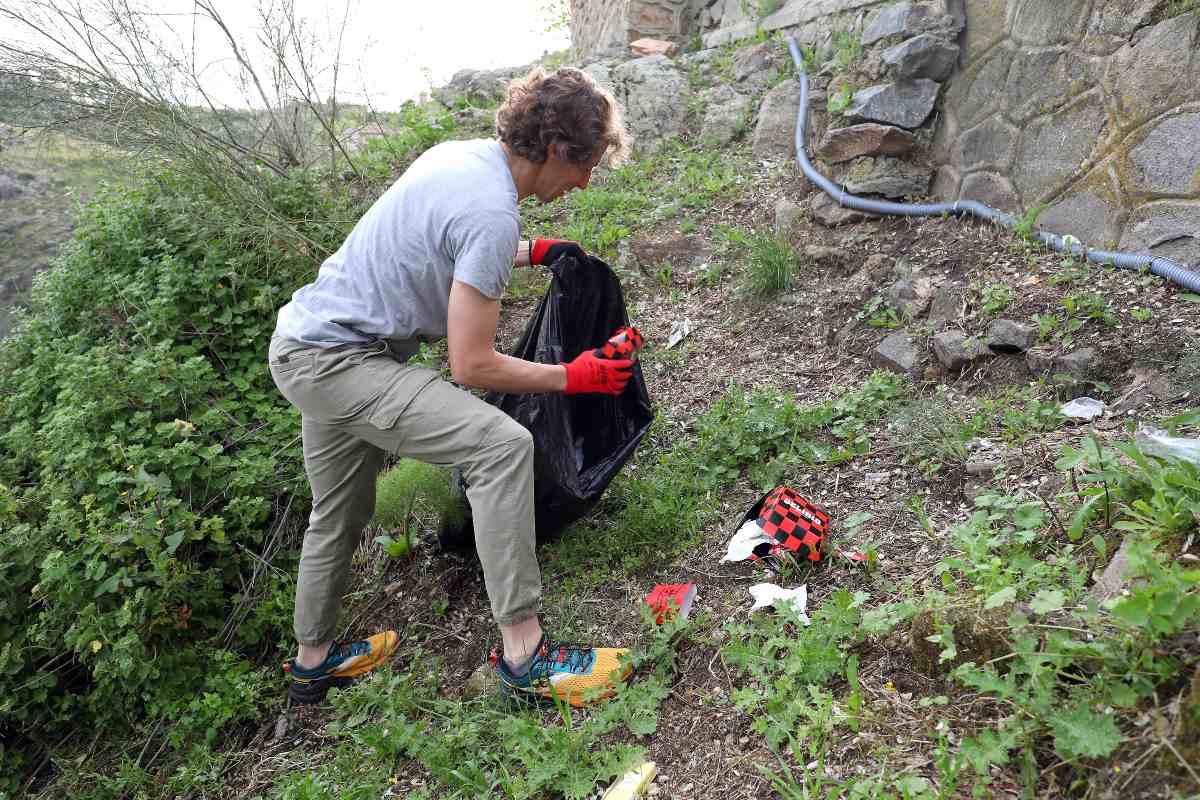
(705, 748)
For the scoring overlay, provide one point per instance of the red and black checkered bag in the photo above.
(623, 344)
(799, 527)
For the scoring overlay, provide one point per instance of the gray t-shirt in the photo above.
(451, 216)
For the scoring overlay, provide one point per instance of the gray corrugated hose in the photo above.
(1163, 267)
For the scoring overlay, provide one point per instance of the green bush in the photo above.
(144, 454)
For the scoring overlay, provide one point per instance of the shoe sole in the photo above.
(313, 692)
(533, 696)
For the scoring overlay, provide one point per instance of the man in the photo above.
(431, 258)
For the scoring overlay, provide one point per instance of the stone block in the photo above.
(825, 210)
(956, 350)
(867, 139)
(1085, 215)
(774, 135)
(1170, 228)
(946, 181)
(1039, 22)
(985, 27)
(1054, 147)
(1009, 336)
(1168, 160)
(890, 177)
(1159, 72)
(978, 92)
(726, 114)
(991, 143)
(1043, 81)
(787, 214)
(892, 20)
(991, 190)
(653, 47)
(906, 104)
(654, 95)
(910, 296)
(898, 353)
(924, 56)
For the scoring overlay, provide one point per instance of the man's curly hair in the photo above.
(563, 106)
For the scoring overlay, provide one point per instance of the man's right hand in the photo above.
(588, 374)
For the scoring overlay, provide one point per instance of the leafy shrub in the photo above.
(144, 457)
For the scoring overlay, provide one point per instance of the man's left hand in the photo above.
(547, 251)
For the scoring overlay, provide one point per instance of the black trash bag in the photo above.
(580, 441)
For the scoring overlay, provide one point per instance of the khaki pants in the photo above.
(358, 405)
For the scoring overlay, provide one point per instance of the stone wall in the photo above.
(601, 27)
(1090, 108)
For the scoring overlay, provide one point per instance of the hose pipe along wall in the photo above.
(1163, 267)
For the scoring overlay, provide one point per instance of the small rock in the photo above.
(1078, 363)
(825, 256)
(679, 251)
(653, 47)
(826, 211)
(956, 350)
(898, 352)
(974, 489)
(1009, 337)
(1114, 579)
(911, 296)
(982, 469)
(946, 305)
(787, 213)
(1039, 360)
(483, 682)
(878, 266)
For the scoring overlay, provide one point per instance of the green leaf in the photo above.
(1082, 516)
(1190, 297)
(1047, 600)
(1082, 732)
(109, 585)
(173, 541)
(1001, 598)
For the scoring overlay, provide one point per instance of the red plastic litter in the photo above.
(668, 599)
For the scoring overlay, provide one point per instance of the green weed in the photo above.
(935, 435)
(995, 297)
(1026, 225)
(773, 265)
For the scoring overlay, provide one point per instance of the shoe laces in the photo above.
(573, 657)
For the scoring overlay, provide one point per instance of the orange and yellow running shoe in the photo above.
(579, 675)
(345, 662)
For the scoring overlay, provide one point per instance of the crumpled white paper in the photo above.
(742, 545)
(768, 594)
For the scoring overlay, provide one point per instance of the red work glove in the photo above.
(588, 374)
(547, 251)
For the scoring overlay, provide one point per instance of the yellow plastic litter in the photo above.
(632, 784)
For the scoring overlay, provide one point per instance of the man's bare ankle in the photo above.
(311, 657)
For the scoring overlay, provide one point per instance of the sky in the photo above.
(392, 50)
